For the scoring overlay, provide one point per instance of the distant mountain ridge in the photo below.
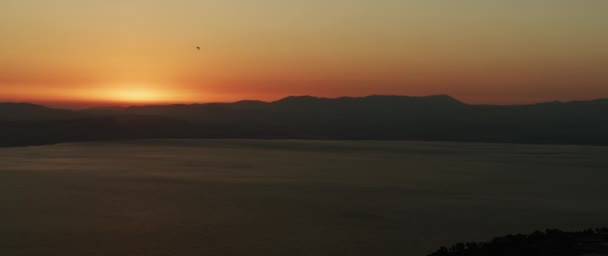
(28, 111)
(379, 117)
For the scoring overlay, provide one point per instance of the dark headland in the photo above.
(431, 118)
(549, 243)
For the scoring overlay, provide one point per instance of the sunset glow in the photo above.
(142, 52)
(137, 95)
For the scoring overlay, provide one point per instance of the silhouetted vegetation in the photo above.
(549, 243)
(434, 118)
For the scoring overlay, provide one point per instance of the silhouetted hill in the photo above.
(26, 111)
(548, 243)
(434, 118)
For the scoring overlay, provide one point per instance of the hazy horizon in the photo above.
(85, 105)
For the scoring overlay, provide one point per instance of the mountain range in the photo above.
(430, 118)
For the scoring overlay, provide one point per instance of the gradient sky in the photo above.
(144, 51)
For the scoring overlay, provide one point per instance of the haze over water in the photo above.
(247, 197)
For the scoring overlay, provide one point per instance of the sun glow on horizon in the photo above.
(95, 52)
(138, 95)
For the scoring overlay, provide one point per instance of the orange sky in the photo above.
(94, 52)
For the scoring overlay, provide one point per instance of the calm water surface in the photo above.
(245, 197)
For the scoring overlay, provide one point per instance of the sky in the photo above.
(94, 52)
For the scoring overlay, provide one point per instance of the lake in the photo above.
(256, 197)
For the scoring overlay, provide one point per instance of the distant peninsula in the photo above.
(376, 117)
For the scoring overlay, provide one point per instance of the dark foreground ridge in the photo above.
(548, 243)
(432, 118)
